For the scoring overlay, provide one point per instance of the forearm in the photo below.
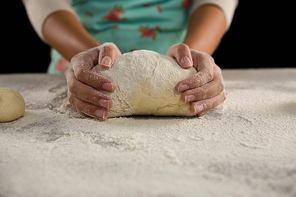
(64, 32)
(206, 27)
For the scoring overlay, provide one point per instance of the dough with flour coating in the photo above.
(145, 85)
(12, 105)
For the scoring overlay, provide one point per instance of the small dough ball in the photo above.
(145, 85)
(12, 105)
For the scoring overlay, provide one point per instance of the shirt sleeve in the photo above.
(39, 10)
(227, 6)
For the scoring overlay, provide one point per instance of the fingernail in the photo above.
(182, 88)
(186, 62)
(106, 61)
(105, 103)
(189, 98)
(108, 87)
(101, 114)
(198, 108)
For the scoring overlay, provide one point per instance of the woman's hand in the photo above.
(205, 90)
(83, 83)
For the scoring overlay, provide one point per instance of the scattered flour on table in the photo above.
(245, 147)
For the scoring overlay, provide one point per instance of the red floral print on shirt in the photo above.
(88, 13)
(159, 9)
(186, 4)
(149, 32)
(115, 14)
(61, 66)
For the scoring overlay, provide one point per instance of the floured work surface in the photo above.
(245, 147)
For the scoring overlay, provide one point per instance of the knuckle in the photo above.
(211, 75)
(78, 61)
(201, 56)
(182, 47)
(171, 50)
(66, 72)
(217, 91)
(109, 49)
(208, 75)
(220, 87)
(210, 58)
(71, 98)
(218, 69)
(76, 58)
(109, 46)
(206, 56)
(174, 46)
(80, 72)
(223, 98)
(72, 86)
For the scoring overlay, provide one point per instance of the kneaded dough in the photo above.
(145, 85)
(12, 105)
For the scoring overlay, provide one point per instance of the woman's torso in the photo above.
(130, 24)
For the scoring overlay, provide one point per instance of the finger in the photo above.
(204, 64)
(203, 106)
(87, 93)
(182, 54)
(94, 80)
(87, 108)
(206, 91)
(82, 65)
(108, 53)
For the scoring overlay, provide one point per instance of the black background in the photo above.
(262, 35)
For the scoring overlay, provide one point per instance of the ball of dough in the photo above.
(145, 85)
(12, 105)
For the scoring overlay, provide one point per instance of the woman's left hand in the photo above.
(205, 90)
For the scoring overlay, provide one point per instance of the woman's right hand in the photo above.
(83, 84)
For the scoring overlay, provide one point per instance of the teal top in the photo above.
(130, 24)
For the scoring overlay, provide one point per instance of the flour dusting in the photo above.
(245, 147)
